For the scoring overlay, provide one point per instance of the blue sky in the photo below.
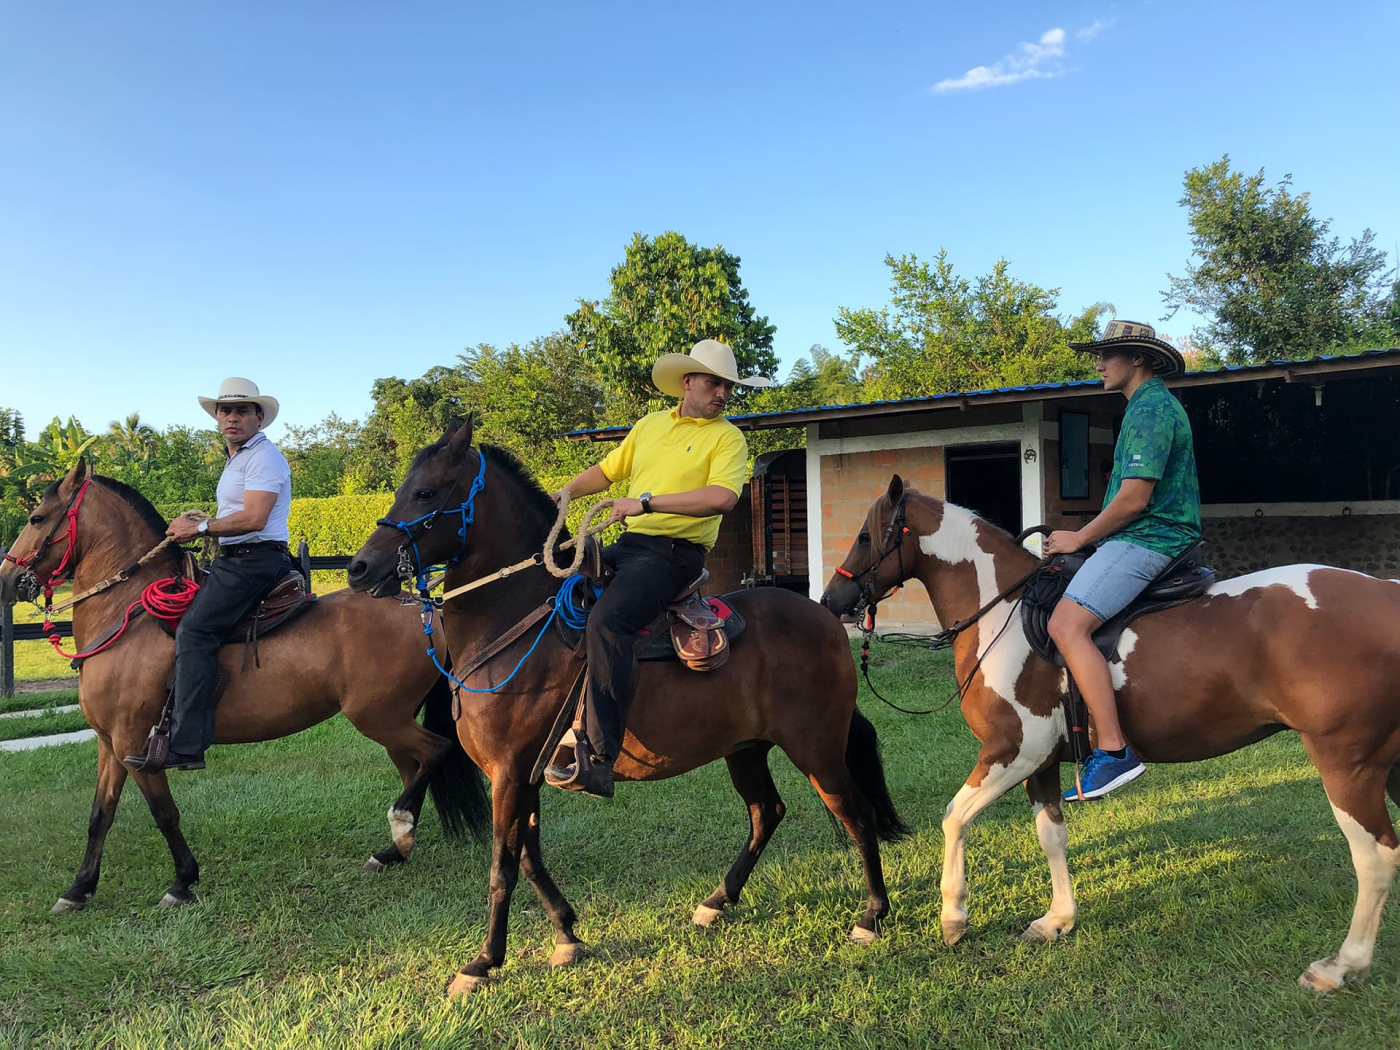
(318, 194)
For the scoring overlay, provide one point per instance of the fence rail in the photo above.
(11, 632)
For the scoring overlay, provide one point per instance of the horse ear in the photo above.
(896, 488)
(460, 436)
(80, 472)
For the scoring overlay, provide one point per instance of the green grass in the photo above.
(43, 723)
(38, 701)
(1203, 892)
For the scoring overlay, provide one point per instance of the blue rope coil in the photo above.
(567, 606)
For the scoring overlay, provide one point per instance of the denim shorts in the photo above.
(1113, 576)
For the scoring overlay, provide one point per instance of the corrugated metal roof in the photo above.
(1036, 391)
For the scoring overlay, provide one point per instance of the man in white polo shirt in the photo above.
(255, 498)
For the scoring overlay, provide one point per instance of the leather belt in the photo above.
(235, 550)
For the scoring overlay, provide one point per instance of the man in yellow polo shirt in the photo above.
(685, 467)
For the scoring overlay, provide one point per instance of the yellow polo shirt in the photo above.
(666, 452)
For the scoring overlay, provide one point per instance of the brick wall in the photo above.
(851, 482)
(731, 558)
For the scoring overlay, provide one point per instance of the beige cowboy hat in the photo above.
(1166, 359)
(709, 356)
(236, 388)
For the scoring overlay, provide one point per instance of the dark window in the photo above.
(1074, 455)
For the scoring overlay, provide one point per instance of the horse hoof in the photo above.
(464, 984)
(860, 935)
(1323, 976)
(172, 901)
(953, 930)
(64, 906)
(375, 864)
(1040, 932)
(566, 954)
(706, 916)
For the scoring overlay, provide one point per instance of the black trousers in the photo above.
(649, 572)
(233, 588)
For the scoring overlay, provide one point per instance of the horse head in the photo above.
(882, 557)
(40, 549)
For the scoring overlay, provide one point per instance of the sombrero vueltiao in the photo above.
(236, 388)
(1166, 359)
(709, 356)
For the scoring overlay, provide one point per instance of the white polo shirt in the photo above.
(259, 466)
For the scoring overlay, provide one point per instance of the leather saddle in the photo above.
(288, 599)
(695, 630)
(1183, 580)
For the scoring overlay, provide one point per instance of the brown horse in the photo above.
(789, 683)
(1305, 647)
(346, 654)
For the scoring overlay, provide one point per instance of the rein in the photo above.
(943, 639)
(165, 599)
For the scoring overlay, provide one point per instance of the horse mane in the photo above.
(143, 507)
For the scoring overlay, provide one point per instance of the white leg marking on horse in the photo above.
(1118, 666)
(1059, 920)
(961, 812)
(401, 829)
(1375, 869)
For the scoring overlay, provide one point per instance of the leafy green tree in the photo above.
(1267, 275)
(131, 440)
(941, 332)
(321, 455)
(666, 296)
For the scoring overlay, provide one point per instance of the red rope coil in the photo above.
(166, 599)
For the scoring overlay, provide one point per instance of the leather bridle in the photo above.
(892, 543)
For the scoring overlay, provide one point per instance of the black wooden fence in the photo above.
(11, 632)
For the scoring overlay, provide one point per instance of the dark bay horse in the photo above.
(1303, 647)
(789, 682)
(347, 654)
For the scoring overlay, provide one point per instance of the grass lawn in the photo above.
(42, 723)
(1204, 891)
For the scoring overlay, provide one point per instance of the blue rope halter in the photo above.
(416, 570)
(567, 605)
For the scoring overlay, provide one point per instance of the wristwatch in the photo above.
(202, 527)
(645, 500)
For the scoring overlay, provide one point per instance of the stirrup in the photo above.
(155, 753)
(581, 775)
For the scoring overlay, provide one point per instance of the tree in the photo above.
(667, 295)
(132, 440)
(319, 456)
(1267, 275)
(942, 332)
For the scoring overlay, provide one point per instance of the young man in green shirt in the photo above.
(1151, 514)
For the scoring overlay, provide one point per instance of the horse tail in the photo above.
(868, 771)
(457, 786)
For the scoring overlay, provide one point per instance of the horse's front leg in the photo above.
(1044, 791)
(509, 815)
(998, 769)
(111, 776)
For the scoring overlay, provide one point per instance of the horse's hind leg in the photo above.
(416, 768)
(843, 798)
(567, 947)
(1044, 791)
(1358, 802)
(167, 817)
(111, 776)
(748, 769)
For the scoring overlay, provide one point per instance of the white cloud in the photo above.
(1023, 64)
(1091, 31)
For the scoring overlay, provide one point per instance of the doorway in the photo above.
(986, 479)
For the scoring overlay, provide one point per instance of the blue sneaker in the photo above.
(1102, 773)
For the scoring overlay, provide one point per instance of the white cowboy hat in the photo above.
(235, 388)
(709, 356)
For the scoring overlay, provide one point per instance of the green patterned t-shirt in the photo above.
(1155, 443)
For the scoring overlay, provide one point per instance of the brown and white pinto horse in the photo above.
(1303, 647)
